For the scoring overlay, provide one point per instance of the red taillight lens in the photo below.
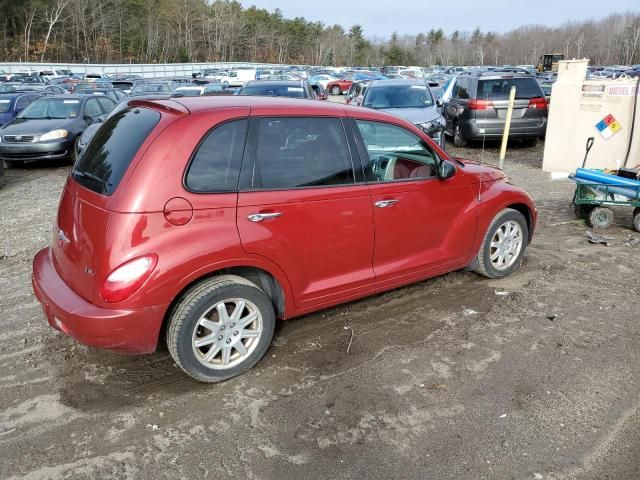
(477, 104)
(125, 280)
(538, 102)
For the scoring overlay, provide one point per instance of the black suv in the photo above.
(478, 107)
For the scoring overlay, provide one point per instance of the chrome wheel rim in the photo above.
(506, 245)
(227, 333)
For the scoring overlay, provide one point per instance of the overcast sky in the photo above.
(381, 17)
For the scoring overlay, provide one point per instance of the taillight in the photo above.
(538, 102)
(477, 104)
(125, 280)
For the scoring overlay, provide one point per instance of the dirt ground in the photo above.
(458, 377)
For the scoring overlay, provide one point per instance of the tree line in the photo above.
(167, 31)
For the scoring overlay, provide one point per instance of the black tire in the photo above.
(335, 90)
(195, 303)
(530, 142)
(74, 154)
(458, 138)
(636, 219)
(2, 177)
(582, 211)
(483, 265)
(601, 217)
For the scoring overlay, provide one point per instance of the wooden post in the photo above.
(507, 125)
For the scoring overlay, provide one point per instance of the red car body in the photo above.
(329, 247)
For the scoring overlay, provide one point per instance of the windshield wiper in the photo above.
(90, 176)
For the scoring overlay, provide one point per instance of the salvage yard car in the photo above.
(49, 128)
(477, 108)
(203, 220)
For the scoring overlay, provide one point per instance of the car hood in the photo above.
(25, 126)
(415, 115)
(481, 172)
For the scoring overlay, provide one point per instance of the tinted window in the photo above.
(216, 165)
(92, 108)
(107, 157)
(499, 88)
(461, 88)
(395, 153)
(301, 152)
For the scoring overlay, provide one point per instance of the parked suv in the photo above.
(202, 220)
(478, 105)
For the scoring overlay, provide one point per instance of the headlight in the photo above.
(54, 135)
(431, 127)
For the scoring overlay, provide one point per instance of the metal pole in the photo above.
(507, 125)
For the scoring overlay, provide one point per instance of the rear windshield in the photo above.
(103, 163)
(498, 88)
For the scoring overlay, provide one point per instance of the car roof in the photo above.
(200, 104)
(66, 97)
(290, 83)
(20, 94)
(397, 82)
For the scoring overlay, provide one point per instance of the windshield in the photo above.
(273, 90)
(48, 108)
(398, 96)
(5, 105)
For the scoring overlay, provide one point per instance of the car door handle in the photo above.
(258, 217)
(385, 203)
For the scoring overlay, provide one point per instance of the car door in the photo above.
(300, 207)
(455, 105)
(423, 225)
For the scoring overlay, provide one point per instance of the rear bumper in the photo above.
(35, 151)
(478, 129)
(126, 331)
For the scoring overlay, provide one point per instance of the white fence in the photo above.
(144, 70)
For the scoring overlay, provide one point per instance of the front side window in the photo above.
(301, 152)
(395, 153)
(92, 108)
(215, 167)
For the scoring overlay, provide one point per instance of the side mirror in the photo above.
(446, 170)
(439, 103)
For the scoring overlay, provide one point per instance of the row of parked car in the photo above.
(465, 107)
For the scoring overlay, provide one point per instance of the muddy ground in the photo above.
(459, 377)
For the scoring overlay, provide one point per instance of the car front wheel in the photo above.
(504, 245)
(336, 90)
(220, 328)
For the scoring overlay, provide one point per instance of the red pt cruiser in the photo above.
(209, 218)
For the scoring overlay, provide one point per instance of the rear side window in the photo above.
(301, 152)
(499, 88)
(107, 157)
(215, 167)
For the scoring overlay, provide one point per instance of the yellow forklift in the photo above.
(549, 62)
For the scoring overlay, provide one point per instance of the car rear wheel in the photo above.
(504, 245)
(220, 328)
(335, 90)
(458, 139)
